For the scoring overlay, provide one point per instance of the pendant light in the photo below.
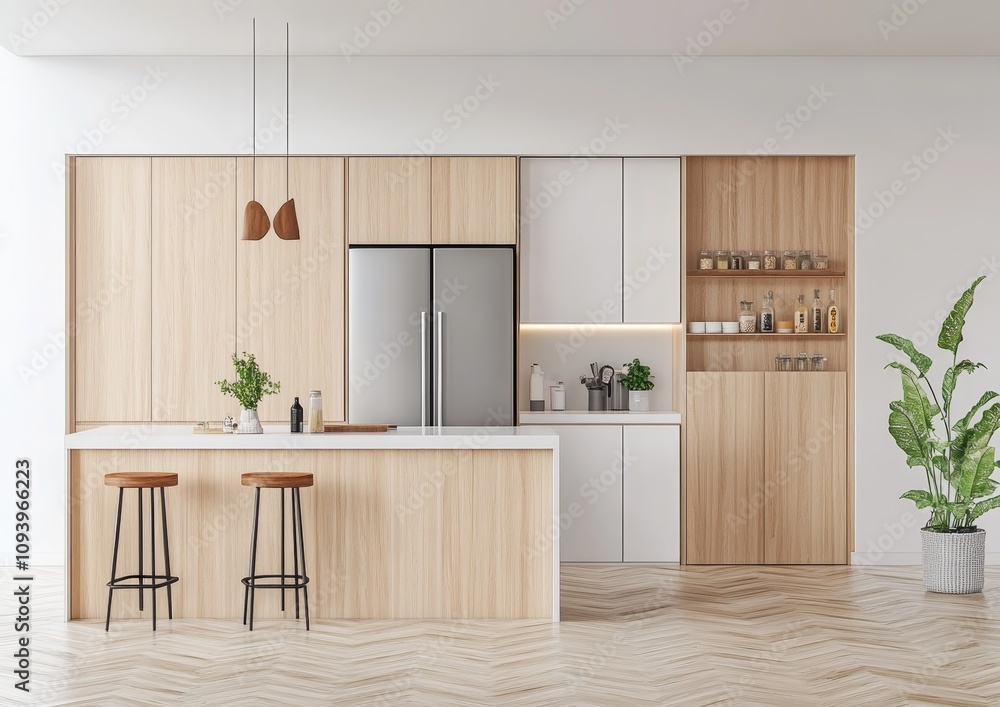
(286, 224)
(256, 224)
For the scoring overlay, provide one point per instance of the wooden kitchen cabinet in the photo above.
(290, 294)
(193, 286)
(725, 482)
(389, 200)
(571, 248)
(651, 493)
(590, 493)
(112, 308)
(474, 200)
(805, 507)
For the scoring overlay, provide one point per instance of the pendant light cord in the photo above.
(253, 112)
(287, 120)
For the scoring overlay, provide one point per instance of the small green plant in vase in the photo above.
(249, 388)
(954, 453)
(637, 379)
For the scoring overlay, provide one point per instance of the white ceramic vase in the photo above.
(249, 423)
(638, 401)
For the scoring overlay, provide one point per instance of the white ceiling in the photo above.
(505, 27)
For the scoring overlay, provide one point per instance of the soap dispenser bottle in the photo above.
(536, 389)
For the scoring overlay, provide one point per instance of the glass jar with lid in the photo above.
(722, 260)
(821, 262)
(769, 261)
(783, 362)
(315, 421)
(737, 260)
(805, 261)
(819, 362)
(790, 260)
(754, 260)
(705, 260)
(802, 362)
(748, 318)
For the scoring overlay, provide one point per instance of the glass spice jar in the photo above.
(722, 260)
(790, 260)
(770, 260)
(748, 318)
(819, 362)
(802, 362)
(753, 260)
(705, 260)
(783, 362)
(821, 262)
(805, 261)
(737, 260)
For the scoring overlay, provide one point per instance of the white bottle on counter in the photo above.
(557, 397)
(536, 389)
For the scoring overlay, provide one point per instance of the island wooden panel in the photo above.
(806, 468)
(389, 200)
(389, 534)
(474, 200)
(112, 317)
(725, 468)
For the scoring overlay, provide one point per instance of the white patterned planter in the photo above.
(954, 563)
(249, 423)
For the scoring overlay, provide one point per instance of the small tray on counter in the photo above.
(348, 427)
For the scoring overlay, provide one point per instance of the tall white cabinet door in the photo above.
(651, 285)
(590, 493)
(651, 493)
(571, 240)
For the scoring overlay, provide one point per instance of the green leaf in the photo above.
(910, 436)
(916, 401)
(951, 377)
(983, 506)
(984, 488)
(951, 330)
(964, 423)
(958, 508)
(923, 499)
(922, 362)
(976, 467)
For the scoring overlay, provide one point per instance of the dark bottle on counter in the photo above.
(296, 423)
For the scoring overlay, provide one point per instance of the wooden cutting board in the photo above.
(348, 427)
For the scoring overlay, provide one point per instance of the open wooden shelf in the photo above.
(767, 273)
(775, 335)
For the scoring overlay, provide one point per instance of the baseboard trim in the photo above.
(877, 558)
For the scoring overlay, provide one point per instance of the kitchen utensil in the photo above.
(619, 393)
(593, 369)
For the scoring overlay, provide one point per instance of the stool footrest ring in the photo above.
(119, 582)
(299, 580)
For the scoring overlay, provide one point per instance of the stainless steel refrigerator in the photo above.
(431, 335)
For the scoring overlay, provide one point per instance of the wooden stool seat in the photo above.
(140, 480)
(277, 480)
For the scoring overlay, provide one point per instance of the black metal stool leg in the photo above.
(253, 551)
(295, 555)
(141, 592)
(152, 549)
(166, 553)
(302, 550)
(114, 557)
(282, 550)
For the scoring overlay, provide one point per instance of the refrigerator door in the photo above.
(474, 315)
(389, 334)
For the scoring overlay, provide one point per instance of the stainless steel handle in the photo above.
(440, 369)
(423, 369)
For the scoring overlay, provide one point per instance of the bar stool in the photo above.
(140, 481)
(295, 482)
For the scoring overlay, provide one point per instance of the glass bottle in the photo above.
(767, 314)
(722, 260)
(805, 260)
(800, 321)
(770, 260)
(295, 417)
(748, 318)
(315, 423)
(817, 313)
(789, 260)
(832, 315)
(705, 261)
(754, 260)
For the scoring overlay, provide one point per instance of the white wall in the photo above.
(939, 233)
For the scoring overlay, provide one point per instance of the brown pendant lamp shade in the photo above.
(286, 223)
(256, 224)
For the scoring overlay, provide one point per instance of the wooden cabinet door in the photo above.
(193, 286)
(806, 468)
(112, 240)
(389, 200)
(571, 240)
(290, 294)
(651, 493)
(724, 508)
(651, 289)
(474, 200)
(590, 493)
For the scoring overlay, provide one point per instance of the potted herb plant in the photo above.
(636, 380)
(955, 454)
(249, 388)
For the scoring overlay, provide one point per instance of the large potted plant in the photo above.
(955, 454)
(249, 388)
(636, 380)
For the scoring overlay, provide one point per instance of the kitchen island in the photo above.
(414, 523)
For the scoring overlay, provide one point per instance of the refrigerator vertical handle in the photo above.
(439, 408)
(423, 369)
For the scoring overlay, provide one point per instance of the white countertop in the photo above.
(150, 436)
(586, 417)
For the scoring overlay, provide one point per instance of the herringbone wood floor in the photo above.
(629, 636)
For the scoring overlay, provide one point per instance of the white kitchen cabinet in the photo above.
(651, 493)
(571, 230)
(590, 493)
(651, 221)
